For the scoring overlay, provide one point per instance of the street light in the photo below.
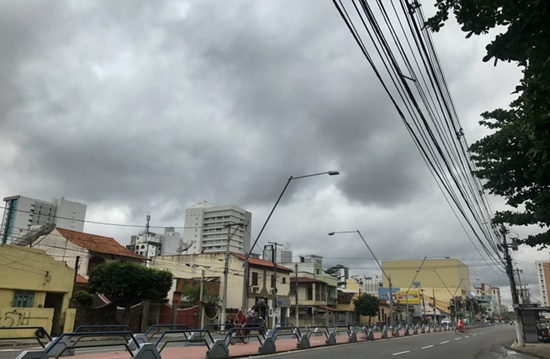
(377, 262)
(247, 255)
(410, 286)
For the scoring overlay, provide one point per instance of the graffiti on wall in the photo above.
(15, 318)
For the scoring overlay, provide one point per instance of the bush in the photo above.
(83, 298)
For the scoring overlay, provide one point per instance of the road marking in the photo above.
(458, 338)
(429, 346)
(445, 342)
(405, 352)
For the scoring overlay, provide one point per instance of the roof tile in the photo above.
(98, 244)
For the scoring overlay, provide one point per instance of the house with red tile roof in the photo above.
(84, 249)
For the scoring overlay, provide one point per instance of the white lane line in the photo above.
(445, 342)
(458, 338)
(405, 352)
(429, 346)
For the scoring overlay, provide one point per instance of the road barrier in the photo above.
(95, 337)
(37, 333)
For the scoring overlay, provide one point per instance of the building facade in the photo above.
(36, 292)
(490, 298)
(543, 279)
(439, 281)
(150, 244)
(266, 286)
(208, 229)
(23, 215)
(367, 284)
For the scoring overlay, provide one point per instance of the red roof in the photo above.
(98, 244)
(263, 263)
(80, 279)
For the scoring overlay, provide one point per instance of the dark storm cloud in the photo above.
(134, 107)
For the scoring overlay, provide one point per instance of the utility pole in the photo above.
(201, 296)
(433, 295)
(521, 295)
(274, 260)
(391, 302)
(76, 266)
(226, 273)
(296, 293)
(513, 289)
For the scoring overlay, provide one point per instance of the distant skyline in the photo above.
(137, 108)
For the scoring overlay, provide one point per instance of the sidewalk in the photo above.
(539, 350)
(236, 350)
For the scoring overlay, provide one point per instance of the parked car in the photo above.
(446, 321)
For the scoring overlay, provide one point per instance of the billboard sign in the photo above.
(414, 296)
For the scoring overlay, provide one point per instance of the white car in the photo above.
(446, 322)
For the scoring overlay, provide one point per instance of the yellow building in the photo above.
(34, 291)
(437, 280)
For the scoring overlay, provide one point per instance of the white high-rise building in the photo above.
(208, 228)
(368, 285)
(283, 252)
(149, 244)
(24, 215)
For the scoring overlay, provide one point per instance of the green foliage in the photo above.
(83, 298)
(129, 282)
(191, 292)
(515, 159)
(367, 305)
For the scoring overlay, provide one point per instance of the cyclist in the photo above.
(460, 325)
(240, 322)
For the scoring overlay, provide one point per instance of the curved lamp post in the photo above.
(247, 254)
(377, 262)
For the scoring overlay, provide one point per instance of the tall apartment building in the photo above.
(283, 253)
(543, 276)
(368, 285)
(208, 228)
(23, 215)
(150, 244)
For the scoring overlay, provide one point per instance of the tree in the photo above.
(515, 159)
(366, 305)
(335, 272)
(129, 283)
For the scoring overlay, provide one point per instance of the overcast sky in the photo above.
(136, 107)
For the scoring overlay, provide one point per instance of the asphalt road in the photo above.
(484, 343)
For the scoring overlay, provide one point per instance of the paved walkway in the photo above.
(282, 344)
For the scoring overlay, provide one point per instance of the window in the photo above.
(273, 284)
(283, 280)
(23, 299)
(254, 278)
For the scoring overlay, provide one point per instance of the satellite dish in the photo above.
(184, 246)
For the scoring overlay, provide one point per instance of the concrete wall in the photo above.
(49, 282)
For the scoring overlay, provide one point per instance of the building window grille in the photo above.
(23, 299)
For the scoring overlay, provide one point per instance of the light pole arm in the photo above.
(416, 275)
(269, 216)
(247, 254)
(373, 256)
